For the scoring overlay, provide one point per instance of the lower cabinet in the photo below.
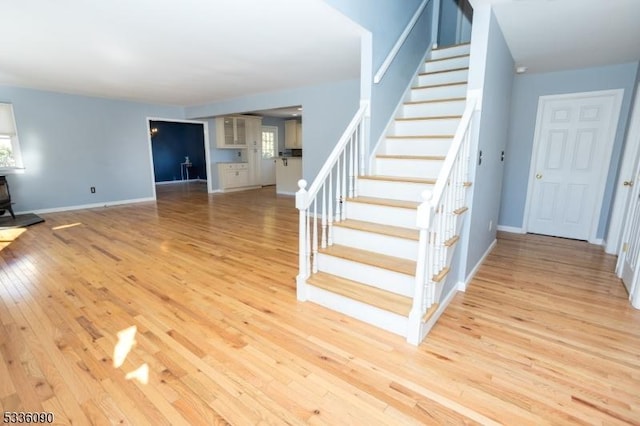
(233, 175)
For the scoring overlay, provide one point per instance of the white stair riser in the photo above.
(375, 277)
(456, 76)
(435, 126)
(415, 146)
(433, 109)
(380, 318)
(426, 169)
(377, 243)
(462, 49)
(446, 64)
(385, 215)
(439, 92)
(394, 190)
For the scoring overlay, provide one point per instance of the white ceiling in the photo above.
(551, 35)
(198, 51)
(186, 52)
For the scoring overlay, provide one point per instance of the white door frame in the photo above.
(617, 95)
(634, 292)
(207, 153)
(623, 193)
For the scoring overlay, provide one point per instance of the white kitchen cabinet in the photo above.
(233, 175)
(254, 150)
(231, 132)
(292, 134)
(288, 173)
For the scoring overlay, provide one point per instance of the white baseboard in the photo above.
(244, 188)
(90, 206)
(285, 193)
(215, 191)
(173, 182)
(427, 326)
(510, 229)
(462, 285)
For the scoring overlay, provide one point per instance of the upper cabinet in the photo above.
(238, 131)
(231, 132)
(292, 134)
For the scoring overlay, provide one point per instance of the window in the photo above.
(269, 141)
(10, 157)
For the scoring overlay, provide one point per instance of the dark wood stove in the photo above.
(5, 197)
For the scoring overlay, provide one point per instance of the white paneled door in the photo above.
(629, 255)
(572, 148)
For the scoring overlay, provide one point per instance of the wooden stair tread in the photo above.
(431, 86)
(395, 264)
(399, 179)
(377, 228)
(437, 117)
(443, 71)
(363, 293)
(433, 101)
(412, 157)
(386, 202)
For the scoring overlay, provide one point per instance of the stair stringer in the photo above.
(451, 280)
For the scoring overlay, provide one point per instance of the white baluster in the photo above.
(324, 217)
(352, 179)
(301, 279)
(363, 148)
(338, 194)
(315, 235)
(357, 160)
(330, 211)
(344, 185)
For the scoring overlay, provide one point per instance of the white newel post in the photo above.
(418, 308)
(303, 274)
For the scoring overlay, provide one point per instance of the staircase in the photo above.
(365, 253)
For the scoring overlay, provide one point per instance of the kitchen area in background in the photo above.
(259, 148)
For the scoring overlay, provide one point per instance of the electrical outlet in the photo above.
(93, 189)
(490, 225)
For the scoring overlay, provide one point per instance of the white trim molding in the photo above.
(463, 285)
(510, 229)
(91, 206)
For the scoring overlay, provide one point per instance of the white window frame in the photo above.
(9, 130)
(274, 130)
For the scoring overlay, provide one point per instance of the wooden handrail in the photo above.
(396, 47)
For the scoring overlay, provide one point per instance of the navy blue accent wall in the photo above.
(171, 144)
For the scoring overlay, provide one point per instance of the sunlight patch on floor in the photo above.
(71, 225)
(7, 236)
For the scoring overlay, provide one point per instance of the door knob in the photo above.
(628, 183)
(538, 176)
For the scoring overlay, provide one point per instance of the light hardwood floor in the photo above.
(543, 335)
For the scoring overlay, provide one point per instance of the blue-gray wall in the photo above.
(328, 108)
(492, 141)
(527, 88)
(70, 143)
(386, 20)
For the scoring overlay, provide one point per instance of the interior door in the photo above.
(269, 153)
(572, 149)
(631, 247)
